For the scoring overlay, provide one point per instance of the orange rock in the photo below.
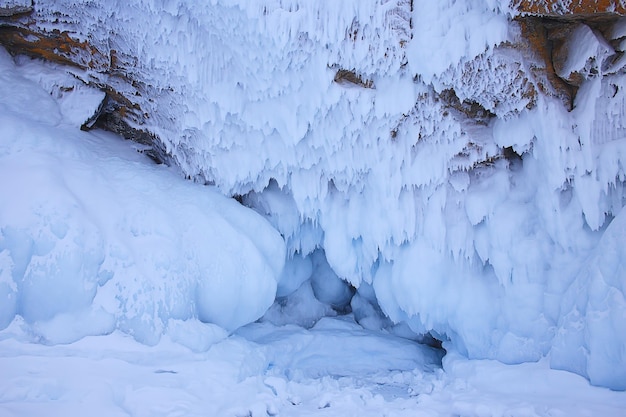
(573, 7)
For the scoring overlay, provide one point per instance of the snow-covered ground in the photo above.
(101, 310)
(334, 369)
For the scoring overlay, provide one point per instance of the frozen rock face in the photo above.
(575, 8)
(463, 159)
(15, 7)
(579, 56)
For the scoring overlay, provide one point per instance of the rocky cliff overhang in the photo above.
(42, 31)
(549, 25)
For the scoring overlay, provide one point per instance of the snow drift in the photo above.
(94, 237)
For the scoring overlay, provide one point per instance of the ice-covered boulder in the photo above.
(94, 237)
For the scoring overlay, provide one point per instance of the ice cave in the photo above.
(297, 208)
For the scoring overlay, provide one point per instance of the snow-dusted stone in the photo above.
(581, 55)
(13, 7)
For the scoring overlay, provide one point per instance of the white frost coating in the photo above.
(451, 31)
(517, 133)
(594, 312)
(417, 200)
(77, 102)
(94, 238)
(583, 45)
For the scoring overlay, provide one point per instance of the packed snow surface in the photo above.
(333, 370)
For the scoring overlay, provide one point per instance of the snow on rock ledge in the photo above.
(569, 8)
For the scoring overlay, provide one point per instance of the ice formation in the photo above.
(94, 238)
(415, 142)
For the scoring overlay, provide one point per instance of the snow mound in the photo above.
(336, 347)
(94, 237)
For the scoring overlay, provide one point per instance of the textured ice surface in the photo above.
(592, 332)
